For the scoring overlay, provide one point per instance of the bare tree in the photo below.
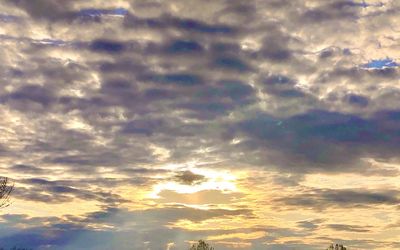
(6, 187)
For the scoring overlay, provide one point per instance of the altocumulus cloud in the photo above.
(97, 95)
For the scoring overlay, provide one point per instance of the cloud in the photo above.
(103, 96)
(333, 10)
(107, 46)
(181, 79)
(349, 228)
(357, 100)
(394, 225)
(310, 224)
(321, 199)
(183, 47)
(190, 178)
(321, 140)
(30, 97)
(182, 24)
(161, 216)
(55, 10)
(72, 231)
(27, 169)
(41, 190)
(200, 197)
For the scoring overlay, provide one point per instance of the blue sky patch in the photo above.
(102, 12)
(380, 64)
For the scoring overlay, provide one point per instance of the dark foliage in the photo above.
(336, 247)
(201, 245)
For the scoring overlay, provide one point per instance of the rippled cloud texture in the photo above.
(256, 124)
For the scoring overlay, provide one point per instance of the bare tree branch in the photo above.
(6, 187)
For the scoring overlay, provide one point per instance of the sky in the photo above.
(150, 124)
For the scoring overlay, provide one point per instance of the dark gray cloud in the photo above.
(190, 178)
(27, 169)
(320, 199)
(357, 100)
(56, 11)
(107, 46)
(162, 216)
(331, 10)
(43, 9)
(180, 79)
(349, 228)
(30, 97)
(186, 25)
(310, 224)
(42, 190)
(322, 141)
(180, 46)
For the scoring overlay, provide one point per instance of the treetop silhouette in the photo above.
(336, 247)
(201, 245)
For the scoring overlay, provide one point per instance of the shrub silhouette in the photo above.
(6, 188)
(201, 245)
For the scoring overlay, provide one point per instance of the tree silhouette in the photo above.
(201, 245)
(336, 247)
(6, 188)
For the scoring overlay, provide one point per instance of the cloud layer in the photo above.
(187, 119)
